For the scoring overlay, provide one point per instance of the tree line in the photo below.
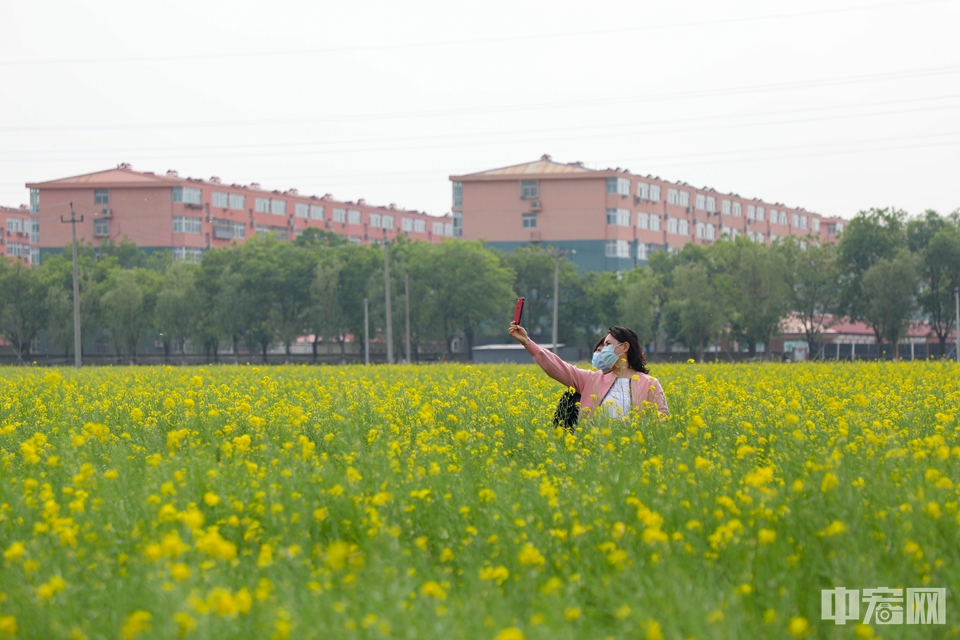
(886, 270)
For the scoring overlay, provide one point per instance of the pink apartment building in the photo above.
(18, 234)
(613, 218)
(190, 215)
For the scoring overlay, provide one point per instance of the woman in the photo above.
(622, 380)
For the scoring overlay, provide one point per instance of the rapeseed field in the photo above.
(440, 502)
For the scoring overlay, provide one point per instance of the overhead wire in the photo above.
(461, 42)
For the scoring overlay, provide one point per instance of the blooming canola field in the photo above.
(440, 502)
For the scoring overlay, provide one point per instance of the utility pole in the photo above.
(386, 286)
(406, 296)
(956, 322)
(366, 332)
(77, 348)
(557, 254)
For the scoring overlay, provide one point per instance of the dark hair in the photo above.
(599, 343)
(635, 356)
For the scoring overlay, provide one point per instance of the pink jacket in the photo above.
(594, 385)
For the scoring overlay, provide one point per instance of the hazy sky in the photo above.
(833, 105)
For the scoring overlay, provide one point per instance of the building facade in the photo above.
(190, 215)
(18, 234)
(613, 219)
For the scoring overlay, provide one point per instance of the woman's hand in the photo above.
(519, 334)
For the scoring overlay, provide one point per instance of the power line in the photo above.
(682, 95)
(485, 136)
(471, 41)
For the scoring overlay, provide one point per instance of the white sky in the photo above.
(833, 105)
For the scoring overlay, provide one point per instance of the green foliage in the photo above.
(889, 289)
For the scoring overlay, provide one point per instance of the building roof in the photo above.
(544, 166)
(832, 326)
(122, 176)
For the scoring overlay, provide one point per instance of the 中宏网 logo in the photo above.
(884, 605)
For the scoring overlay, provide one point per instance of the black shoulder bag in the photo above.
(568, 411)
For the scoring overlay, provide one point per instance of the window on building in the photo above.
(406, 224)
(618, 249)
(448, 228)
(711, 232)
(238, 201)
(101, 228)
(737, 209)
(684, 198)
(18, 249)
(35, 256)
(529, 221)
(301, 210)
(263, 205)
(34, 200)
(356, 239)
(457, 224)
(815, 225)
(186, 224)
(278, 207)
(672, 226)
(783, 217)
(354, 216)
(101, 196)
(34, 226)
(619, 186)
(643, 220)
(701, 201)
(239, 230)
(316, 212)
(643, 190)
(711, 204)
(529, 189)
(655, 192)
(458, 194)
(339, 215)
(220, 199)
(386, 221)
(619, 217)
(437, 228)
(673, 196)
(375, 220)
(14, 225)
(683, 227)
(188, 254)
(642, 251)
(760, 213)
(725, 207)
(654, 223)
(751, 212)
(701, 230)
(186, 195)
(420, 226)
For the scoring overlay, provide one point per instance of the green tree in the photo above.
(636, 304)
(23, 306)
(694, 309)
(123, 310)
(870, 237)
(889, 290)
(752, 280)
(465, 286)
(935, 241)
(534, 268)
(812, 285)
(176, 311)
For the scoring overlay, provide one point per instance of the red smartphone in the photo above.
(518, 312)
